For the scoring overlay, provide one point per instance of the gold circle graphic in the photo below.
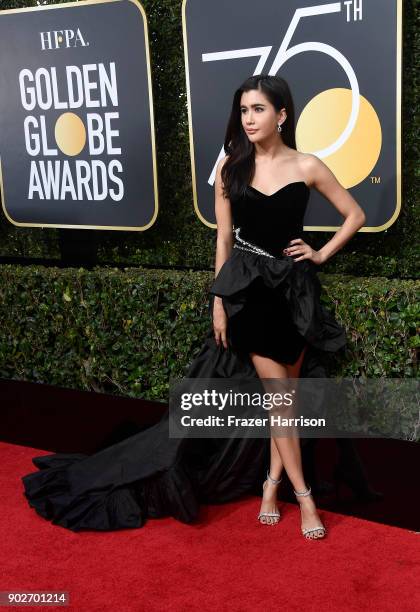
(70, 134)
(323, 120)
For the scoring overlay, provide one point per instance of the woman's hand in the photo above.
(219, 322)
(304, 250)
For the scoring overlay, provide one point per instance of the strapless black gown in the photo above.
(274, 309)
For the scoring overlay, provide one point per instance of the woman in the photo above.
(267, 322)
(263, 159)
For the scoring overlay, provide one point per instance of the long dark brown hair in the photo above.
(238, 170)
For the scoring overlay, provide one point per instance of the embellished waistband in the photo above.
(244, 245)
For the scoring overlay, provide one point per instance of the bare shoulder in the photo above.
(309, 160)
(302, 162)
(221, 163)
(218, 182)
(218, 177)
(311, 167)
(318, 175)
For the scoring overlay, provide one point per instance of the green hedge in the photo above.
(393, 253)
(127, 332)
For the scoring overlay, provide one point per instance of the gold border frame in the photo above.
(152, 123)
(310, 228)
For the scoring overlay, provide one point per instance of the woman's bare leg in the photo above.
(288, 447)
(269, 497)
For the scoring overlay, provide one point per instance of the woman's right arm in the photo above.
(223, 249)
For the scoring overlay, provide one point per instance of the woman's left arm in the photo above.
(318, 175)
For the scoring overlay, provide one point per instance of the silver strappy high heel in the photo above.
(274, 514)
(310, 530)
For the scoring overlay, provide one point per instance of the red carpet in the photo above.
(227, 562)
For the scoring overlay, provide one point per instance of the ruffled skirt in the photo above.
(273, 308)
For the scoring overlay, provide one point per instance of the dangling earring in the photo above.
(279, 127)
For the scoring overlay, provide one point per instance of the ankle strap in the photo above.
(304, 493)
(272, 480)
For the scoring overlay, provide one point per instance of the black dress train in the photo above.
(273, 308)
